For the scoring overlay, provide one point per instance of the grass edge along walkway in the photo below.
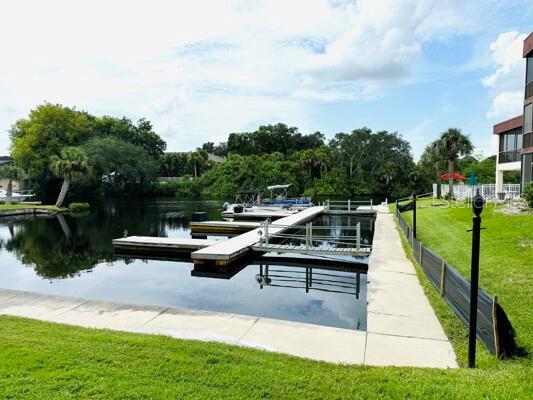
(512, 294)
(47, 360)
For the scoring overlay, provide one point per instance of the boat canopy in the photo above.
(275, 187)
(247, 196)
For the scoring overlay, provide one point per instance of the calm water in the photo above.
(73, 255)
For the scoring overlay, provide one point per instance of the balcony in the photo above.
(509, 156)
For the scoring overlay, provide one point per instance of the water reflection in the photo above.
(73, 255)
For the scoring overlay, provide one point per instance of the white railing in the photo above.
(508, 191)
(347, 205)
(311, 236)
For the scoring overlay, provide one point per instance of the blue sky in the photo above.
(199, 70)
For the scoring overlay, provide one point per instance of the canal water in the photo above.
(73, 255)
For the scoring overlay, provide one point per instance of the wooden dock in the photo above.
(222, 227)
(259, 214)
(225, 252)
(150, 243)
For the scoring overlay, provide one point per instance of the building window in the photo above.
(528, 118)
(529, 70)
(510, 145)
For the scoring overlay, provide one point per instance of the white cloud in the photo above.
(201, 69)
(506, 83)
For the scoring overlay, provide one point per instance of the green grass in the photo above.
(30, 207)
(49, 361)
(44, 361)
(506, 262)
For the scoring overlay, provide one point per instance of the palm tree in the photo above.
(433, 158)
(454, 144)
(389, 173)
(308, 160)
(70, 166)
(10, 173)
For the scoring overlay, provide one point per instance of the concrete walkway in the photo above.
(402, 327)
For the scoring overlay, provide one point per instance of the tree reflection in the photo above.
(63, 246)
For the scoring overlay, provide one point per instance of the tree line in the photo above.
(65, 150)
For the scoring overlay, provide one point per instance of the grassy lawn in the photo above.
(506, 269)
(43, 360)
(48, 361)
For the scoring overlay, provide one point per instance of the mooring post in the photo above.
(266, 230)
(358, 236)
(477, 205)
(310, 234)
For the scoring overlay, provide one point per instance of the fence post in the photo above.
(358, 234)
(307, 236)
(495, 326)
(349, 208)
(414, 216)
(266, 230)
(442, 276)
(397, 210)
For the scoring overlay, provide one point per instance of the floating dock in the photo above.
(222, 227)
(260, 214)
(150, 243)
(224, 253)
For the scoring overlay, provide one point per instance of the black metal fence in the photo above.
(493, 327)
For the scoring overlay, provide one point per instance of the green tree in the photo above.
(47, 130)
(71, 165)
(454, 144)
(141, 134)
(278, 138)
(132, 167)
(351, 149)
(433, 159)
(197, 161)
(11, 173)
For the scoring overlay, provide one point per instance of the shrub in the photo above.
(79, 207)
(527, 193)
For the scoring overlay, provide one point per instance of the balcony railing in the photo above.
(509, 156)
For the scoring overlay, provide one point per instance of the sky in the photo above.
(202, 69)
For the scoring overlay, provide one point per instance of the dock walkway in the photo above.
(161, 243)
(222, 227)
(228, 251)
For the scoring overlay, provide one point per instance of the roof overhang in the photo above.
(528, 45)
(507, 125)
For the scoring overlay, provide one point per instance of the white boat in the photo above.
(248, 204)
(279, 196)
(16, 197)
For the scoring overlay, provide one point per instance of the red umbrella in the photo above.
(456, 176)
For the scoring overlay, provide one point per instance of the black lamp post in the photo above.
(477, 204)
